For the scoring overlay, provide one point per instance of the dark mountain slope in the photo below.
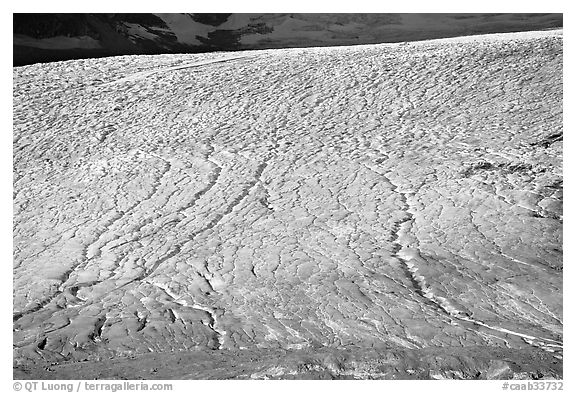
(53, 37)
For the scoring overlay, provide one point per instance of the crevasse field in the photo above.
(383, 211)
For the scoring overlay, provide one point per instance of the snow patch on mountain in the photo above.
(185, 28)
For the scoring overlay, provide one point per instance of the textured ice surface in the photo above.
(404, 196)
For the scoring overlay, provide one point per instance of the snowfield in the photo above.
(378, 211)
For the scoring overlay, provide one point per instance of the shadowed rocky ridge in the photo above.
(53, 37)
(336, 212)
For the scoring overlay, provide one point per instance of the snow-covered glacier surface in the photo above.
(382, 211)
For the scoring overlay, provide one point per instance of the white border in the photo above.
(354, 6)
